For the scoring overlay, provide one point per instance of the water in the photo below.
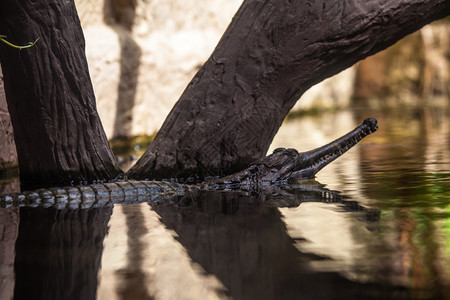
(403, 170)
(375, 224)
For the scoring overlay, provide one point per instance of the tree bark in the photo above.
(58, 133)
(272, 52)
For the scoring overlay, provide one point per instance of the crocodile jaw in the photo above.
(288, 165)
(311, 162)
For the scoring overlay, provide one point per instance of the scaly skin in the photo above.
(97, 195)
(283, 166)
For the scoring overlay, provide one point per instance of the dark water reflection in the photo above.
(245, 244)
(384, 235)
(58, 253)
(239, 238)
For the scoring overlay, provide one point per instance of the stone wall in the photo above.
(8, 155)
(142, 54)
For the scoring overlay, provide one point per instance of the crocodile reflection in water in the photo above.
(249, 221)
(281, 167)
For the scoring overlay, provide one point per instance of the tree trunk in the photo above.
(58, 133)
(272, 52)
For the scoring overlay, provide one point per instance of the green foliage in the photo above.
(29, 45)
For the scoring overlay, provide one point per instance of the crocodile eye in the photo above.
(253, 170)
(278, 150)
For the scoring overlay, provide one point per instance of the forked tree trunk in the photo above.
(272, 52)
(58, 133)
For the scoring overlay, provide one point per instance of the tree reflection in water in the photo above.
(239, 237)
(243, 241)
(58, 252)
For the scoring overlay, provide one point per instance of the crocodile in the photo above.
(282, 167)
